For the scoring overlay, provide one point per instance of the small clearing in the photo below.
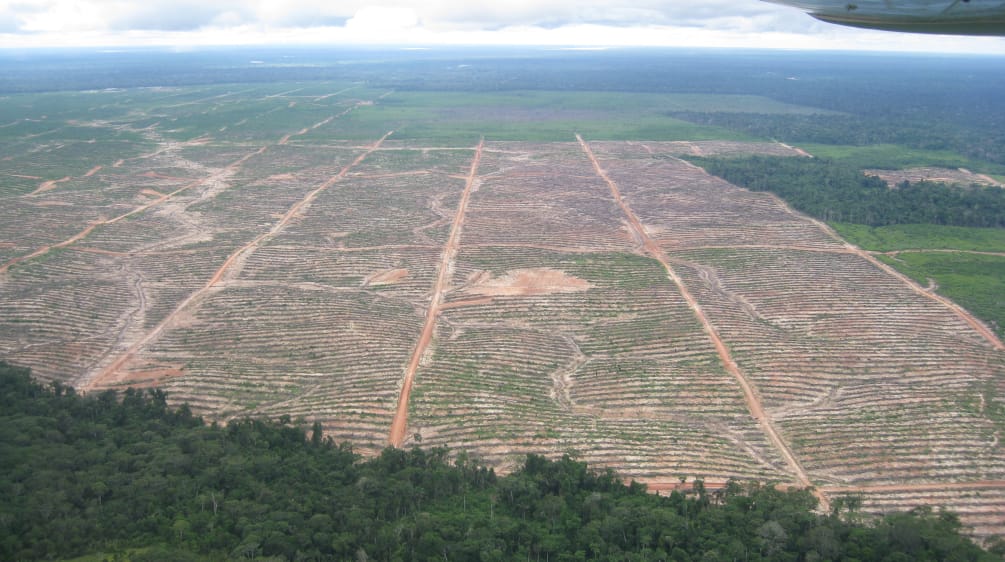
(385, 277)
(526, 282)
(958, 176)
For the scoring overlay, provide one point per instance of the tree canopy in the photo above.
(128, 474)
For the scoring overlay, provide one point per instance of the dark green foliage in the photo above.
(144, 482)
(836, 192)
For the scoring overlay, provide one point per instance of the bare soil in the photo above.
(49, 185)
(958, 176)
(386, 277)
(524, 282)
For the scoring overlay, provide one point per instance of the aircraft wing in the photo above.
(948, 17)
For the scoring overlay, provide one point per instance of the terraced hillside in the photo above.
(278, 250)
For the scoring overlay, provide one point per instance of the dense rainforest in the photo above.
(834, 191)
(132, 478)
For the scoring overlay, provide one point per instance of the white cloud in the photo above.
(727, 23)
(382, 20)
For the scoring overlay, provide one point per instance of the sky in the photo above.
(582, 23)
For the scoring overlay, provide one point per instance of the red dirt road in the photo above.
(106, 375)
(400, 422)
(749, 393)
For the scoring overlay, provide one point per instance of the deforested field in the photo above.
(318, 250)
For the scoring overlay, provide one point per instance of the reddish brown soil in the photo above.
(400, 422)
(749, 393)
(152, 375)
(398, 174)
(154, 175)
(51, 203)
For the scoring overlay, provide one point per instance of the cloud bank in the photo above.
(724, 23)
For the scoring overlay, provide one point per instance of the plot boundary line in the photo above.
(399, 424)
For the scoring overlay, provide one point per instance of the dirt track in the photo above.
(749, 393)
(400, 422)
(108, 373)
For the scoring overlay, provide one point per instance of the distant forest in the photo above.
(833, 191)
(132, 478)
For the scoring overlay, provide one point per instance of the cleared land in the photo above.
(957, 176)
(271, 250)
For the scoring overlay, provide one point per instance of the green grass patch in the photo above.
(976, 282)
(922, 237)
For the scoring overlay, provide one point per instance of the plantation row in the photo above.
(589, 347)
(867, 380)
(86, 304)
(543, 197)
(328, 355)
(556, 330)
(981, 508)
(492, 391)
(62, 312)
(684, 208)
